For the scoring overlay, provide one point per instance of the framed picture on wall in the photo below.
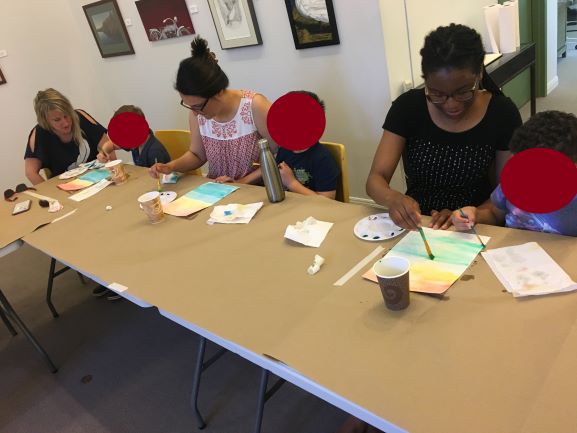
(164, 19)
(108, 28)
(2, 79)
(235, 23)
(312, 22)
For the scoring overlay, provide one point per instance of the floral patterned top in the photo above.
(231, 147)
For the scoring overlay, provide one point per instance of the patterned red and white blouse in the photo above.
(231, 147)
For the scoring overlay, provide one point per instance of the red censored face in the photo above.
(296, 121)
(539, 180)
(128, 130)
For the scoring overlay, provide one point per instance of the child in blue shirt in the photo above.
(310, 171)
(548, 129)
(145, 155)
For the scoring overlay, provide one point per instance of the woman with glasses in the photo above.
(225, 124)
(62, 139)
(453, 134)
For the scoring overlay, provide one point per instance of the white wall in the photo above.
(551, 35)
(59, 51)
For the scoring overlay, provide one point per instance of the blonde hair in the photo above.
(51, 99)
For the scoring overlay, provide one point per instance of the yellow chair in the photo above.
(339, 153)
(176, 142)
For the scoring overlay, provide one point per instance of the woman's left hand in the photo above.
(440, 220)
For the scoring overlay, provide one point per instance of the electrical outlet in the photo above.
(193, 9)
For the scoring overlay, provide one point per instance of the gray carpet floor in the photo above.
(124, 369)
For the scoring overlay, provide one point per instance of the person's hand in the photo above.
(404, 211)
(468, 221)
(223, 179)
(157, 169)
(102, 156)
(440, 219)
(286, 174)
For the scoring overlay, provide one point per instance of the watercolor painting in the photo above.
(199, 198)
(453, 251)
(85, 180)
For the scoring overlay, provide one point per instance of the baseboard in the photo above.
(365, 201)
(552, 84)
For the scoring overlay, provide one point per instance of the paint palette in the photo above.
(72, 173)
(378, 227)
(95, 164)
(167, 196)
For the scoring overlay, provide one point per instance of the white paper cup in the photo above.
(117, 172)
(393, 276)
(150, 203)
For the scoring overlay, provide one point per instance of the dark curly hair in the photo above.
(455, 46)
(199, 74)
(548, 129)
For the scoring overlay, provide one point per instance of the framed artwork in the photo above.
(2, 79)
(165, 19)
(108, 28)
(235, 23)
(312, 22)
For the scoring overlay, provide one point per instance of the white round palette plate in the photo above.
(165, 197)
(95, 164)
(378, 227)
(72, 173)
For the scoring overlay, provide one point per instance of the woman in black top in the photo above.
(453, 134)
(63, 137)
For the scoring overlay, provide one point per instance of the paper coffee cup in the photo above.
(150, 203)
(393, 276)
(117, 172)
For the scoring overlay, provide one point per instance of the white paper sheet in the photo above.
(527, 270)
(507, 28)
(309, 232)
(90, 191)
(234, 213)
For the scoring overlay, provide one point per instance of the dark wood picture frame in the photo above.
(2, 79)
(108, 29)
(308, 31)
(236, 27)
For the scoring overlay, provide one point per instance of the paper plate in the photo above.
(72, 173)
(167, 196)
(378, 227)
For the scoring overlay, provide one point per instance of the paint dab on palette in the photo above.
(376, 228)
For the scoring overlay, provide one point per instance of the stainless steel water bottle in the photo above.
(270, 173)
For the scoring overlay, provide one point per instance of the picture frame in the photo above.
(108, 29)
(312, 27)
(235, 22)
(2, 78)
(164, 19)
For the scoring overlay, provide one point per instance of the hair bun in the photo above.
(199, 47)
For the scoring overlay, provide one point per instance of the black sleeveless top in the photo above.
(58, 156)
(448, 170)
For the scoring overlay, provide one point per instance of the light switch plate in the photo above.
(193, 9)
(128, 22)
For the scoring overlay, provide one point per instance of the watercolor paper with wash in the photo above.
(90, 191)
(527, 270)
(199, 198)
(453, 251)
(75, 185)
(95, 176)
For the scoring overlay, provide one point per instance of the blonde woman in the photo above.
(62, 139)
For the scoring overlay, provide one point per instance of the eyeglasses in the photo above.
(10, 194)
(196, 108)
(460, 96)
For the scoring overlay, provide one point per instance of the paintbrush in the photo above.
(158, 184)
(427, 247)
(472, 228)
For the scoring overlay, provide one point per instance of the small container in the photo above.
(117, 172)
(270, 173)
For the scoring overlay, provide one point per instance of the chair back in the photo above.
(176, 143)
(339, 153)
